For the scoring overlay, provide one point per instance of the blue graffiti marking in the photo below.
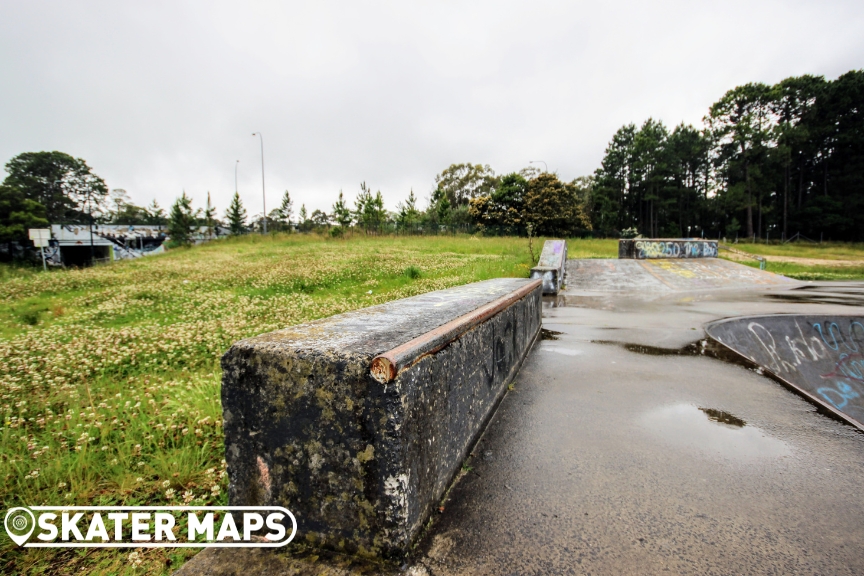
(860, 339)
(818, 327)
(843, 391)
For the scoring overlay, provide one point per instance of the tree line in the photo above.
(42, 188)
(466, 198)
(768, 162)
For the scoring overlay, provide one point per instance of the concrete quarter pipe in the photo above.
(819, 356)
(666, 275)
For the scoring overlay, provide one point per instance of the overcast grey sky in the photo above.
(164, 96)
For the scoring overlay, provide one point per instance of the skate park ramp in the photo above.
(818, 356)
(625, 447)
(668, 275)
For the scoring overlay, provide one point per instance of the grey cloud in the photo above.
(160, 97)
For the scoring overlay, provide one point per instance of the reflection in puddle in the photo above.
(561, 350)
(724, 417)
(549, 334)
(720, 433)
(692, 349)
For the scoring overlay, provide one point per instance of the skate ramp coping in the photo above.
(666, 275)
(817, 356)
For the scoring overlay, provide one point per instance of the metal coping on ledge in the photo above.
(385, 367)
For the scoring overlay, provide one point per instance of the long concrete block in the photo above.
(550, 266)
(642, 248)
(358, 423)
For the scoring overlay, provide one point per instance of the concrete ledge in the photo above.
(550, 267)
(359, 422)
(643, 248)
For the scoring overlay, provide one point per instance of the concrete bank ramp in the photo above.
(818, 356)
(674, 275)
(550, 267)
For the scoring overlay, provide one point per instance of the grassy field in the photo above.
(805, 261)
(824, 251)
(812, 271)
(109, 376)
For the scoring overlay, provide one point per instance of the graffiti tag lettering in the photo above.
(675, 249)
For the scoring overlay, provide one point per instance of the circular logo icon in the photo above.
(19, 524)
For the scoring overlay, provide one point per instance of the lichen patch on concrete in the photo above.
(361, 464)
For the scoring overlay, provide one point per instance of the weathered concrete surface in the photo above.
(667, 248)
(362, 463)
(647, 276)
(820, 356)
(550, 266)
(600, 461)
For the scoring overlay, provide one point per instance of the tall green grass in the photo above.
(824, 251)
(109, 376)
(815, 272)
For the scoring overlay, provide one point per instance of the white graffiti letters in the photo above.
(675, 249)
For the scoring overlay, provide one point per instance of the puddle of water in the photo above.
(713, 432)
(723, 417)
(692, 349)
(818, 298)
(549, 334)
(561, 350)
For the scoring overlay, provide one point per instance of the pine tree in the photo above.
(285, 211)
(236, 216)
(377, 214)
(407, 213)
(181, 222)
(341, 212)
(209, 217)
(155, 215)
(303, 222)
(360, 207)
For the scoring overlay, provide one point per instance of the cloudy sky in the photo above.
(159, 97)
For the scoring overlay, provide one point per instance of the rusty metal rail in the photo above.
(385, 367)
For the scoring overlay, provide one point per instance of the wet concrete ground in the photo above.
(613, 454)
(605, 460)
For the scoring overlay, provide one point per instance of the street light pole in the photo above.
(90, 211)
(546, 168)
(263, 193)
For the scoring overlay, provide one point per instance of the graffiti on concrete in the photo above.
(650, 249)
(550, 267)
(821, 356)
